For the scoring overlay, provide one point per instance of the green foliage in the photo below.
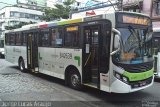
(17, 25)
(60, 11)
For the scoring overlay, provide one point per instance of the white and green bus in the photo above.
(156, 51)
(109, 52)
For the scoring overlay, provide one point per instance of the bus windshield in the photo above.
(135, 46)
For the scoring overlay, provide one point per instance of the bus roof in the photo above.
(70, 21)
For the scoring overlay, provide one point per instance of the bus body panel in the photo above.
(121, 87)
(54, 61)
(105, 81)
(15, 53)
(47, 60)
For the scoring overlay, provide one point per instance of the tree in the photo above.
(19, 25)
(60, 11)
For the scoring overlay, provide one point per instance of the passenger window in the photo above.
(72, 37)
(45, 38)
(59, 40)
(6, 39)
(24, 39)
(18, 39)
(12, 39)
(53, 37)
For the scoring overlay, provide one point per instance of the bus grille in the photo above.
(142, 83)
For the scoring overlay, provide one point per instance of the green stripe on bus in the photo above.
(138, 76)
(40, 56)
(78, 59)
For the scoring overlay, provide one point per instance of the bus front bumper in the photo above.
(120, 87)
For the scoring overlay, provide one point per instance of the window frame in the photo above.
(12, 40)
(58, 35)
(18, 43)
(77, 33)
(41, 36)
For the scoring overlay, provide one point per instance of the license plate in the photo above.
(143, 83)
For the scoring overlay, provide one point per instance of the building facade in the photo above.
(32, 4)
(10, 16)
(149, 7)
(95, 8)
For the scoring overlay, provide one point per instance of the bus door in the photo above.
(32, 51)
(96, 54)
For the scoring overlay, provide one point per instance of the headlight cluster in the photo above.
(121, 77)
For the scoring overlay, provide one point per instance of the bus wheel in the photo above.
(75, 80)
(22, 65)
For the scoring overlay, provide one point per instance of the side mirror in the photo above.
(116, 44)
(116, 41)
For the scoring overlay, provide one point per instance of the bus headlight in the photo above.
(117, 76)
(121, 77)
(125, 79)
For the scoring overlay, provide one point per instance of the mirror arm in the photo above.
(116, 31)
(112, 53)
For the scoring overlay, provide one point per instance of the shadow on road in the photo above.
(14, 67)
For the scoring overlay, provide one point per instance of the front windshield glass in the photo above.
(135, 46)
(1, 43)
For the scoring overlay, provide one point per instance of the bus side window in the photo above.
(24, 39)
(53, 37)
(12, 39)
(72, 37)
(45, 38)
(7, 39)
(59, 40)
(18, 39)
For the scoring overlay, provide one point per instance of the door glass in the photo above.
(94, 48)
(95, 37)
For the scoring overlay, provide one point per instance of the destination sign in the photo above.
(75, 28)
(135, 20)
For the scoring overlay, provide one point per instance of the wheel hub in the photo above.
(74, 80)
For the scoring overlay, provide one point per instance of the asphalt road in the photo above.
(19, 89)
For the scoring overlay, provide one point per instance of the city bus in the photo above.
(156, 51)
(1, 47)
(110, 52)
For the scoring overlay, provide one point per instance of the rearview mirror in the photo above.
(116, 42)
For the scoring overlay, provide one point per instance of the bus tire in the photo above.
(75, 80)
(22, 65)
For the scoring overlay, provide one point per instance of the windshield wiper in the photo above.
(132, 30)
